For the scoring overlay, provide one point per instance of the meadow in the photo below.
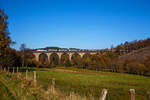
(86, 83)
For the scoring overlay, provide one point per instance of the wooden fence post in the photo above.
(148, 95)
(34, 78)
(8, 69)
(132, 94)
(53, 85)
(4, 69)
(103, 94)
(13, 70)
(26, 74)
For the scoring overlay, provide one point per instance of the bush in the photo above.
(142, 69)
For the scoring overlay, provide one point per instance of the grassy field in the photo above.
(10, 88)
(88, 83)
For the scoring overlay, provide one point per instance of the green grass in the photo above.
(87, 82)
(4, 93)
(10, 88)
(81, 81)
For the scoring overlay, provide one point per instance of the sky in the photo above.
(86, 24)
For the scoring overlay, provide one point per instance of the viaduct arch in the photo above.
(59, 54)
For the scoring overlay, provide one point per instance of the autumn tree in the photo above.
(86, 60)
(65, 60)
(43, 58)
(76, 60)
(142, 69)
(54, 59)
(5, 40)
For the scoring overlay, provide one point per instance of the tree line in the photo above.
(105, 60)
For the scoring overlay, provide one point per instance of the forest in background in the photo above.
(129, 57)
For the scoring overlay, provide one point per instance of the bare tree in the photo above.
(22, 49)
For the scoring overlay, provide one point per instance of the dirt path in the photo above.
(64, 70)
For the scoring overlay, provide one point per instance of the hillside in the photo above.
(139, 55)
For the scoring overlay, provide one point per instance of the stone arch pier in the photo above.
(59, 54)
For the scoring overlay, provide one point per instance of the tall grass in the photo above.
(16, 87)
(73, 84)
(87, 82)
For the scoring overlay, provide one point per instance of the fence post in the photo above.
(13, 70)
(53, 85)
(103, 94)
(8, 69)
(132, 94)
(26, 74)
(34, 78)
(148, 95)
(4, 69)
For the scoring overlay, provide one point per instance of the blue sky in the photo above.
(90, 24)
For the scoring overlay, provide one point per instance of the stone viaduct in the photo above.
(60, 53)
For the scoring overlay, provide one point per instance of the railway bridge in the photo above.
(48, 54)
